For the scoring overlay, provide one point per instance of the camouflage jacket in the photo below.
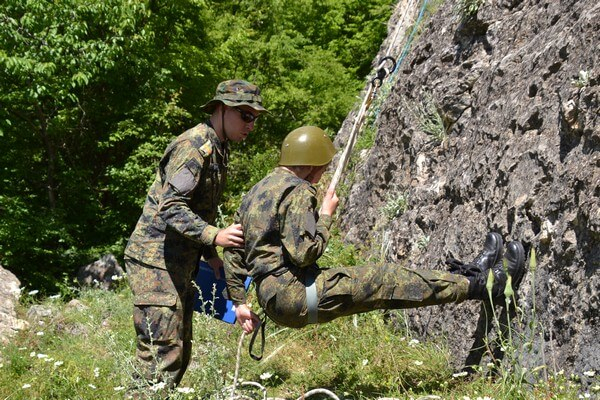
(181, 206)
(282, 229)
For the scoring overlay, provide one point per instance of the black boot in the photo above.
(515, 267)
(489, 256)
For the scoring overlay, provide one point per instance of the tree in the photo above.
(91, 91)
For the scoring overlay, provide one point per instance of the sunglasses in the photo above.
(246, 116)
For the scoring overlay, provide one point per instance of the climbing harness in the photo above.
(311, 296)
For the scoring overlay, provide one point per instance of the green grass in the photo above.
(84, 350)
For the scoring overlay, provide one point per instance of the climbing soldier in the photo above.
(176, 229)
(285, 236)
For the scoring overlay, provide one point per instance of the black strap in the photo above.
(263, 322)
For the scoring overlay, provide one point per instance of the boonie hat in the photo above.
(236, 92)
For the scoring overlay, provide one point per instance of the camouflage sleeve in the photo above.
(303, 234)
(182, 174)
(234, 263)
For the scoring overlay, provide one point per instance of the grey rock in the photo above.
(10, 293)
(522, 158)
(103, 273)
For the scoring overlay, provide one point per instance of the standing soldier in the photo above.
(177, 228)
(285, 236)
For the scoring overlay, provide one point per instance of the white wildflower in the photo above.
(58, 363)
(158, 386)
(186, 390)
(459, 375)
(32, 354)
(589, 373)
(33, 292)
(333, 338)
(118, 388)
(265, 375)
(40, 333)
(26, 386)
(96, 372)
(413, 342)
(54, 297)
(417, 362)
(365, 362)
(91, 386)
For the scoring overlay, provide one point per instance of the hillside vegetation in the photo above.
(91, 92)
(83, 349)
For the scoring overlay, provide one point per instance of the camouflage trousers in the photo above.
(353, 290)
(163, 308)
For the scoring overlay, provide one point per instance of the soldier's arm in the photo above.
(303, 234)
(235, 274)
(182, 175)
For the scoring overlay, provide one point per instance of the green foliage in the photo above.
(429, 118)
(92, 91)
(583, 79)
(396, 205)
(467, 9)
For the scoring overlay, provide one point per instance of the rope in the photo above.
(237, 365)
(381, 74)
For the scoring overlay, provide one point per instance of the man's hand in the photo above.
(246, 318)
(232, 236)
(216, 264)
(330, 202)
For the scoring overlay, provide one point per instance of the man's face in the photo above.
(239, 122)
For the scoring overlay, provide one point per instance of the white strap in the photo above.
(311, 297)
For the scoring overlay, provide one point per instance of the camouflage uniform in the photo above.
(284, 238)
(162, 254)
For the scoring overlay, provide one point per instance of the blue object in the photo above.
(210, 299)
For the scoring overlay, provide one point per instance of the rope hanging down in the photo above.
(382, 73)
(386, 66)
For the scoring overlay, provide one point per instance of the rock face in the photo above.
(516, 92)
(9, 297)
(103, 273)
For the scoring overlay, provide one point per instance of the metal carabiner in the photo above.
(383, 72)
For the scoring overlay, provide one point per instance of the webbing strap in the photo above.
(311, 297)
(261, 328)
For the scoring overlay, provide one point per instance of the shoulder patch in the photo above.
(311, 224)
(184, 181)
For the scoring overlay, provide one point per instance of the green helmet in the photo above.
(234, 93)
(307, 145)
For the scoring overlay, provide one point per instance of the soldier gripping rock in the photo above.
(176, 229)
(285, 235)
